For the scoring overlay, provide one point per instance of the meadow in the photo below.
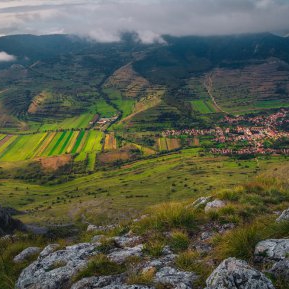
(118, 193)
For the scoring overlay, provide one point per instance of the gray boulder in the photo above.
(26, 254)
(48, 250)
(284, 216)
(214, 205)
(175, 278)
(280, 270)
(120, 255)
(56, 270)
(127, 241)
(98, 282)
(97, 238)
(272, 249)
(202, 201)
(94, 228)
(237, 274)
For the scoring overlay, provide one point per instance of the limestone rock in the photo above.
(237, 274)
(48, 250)
(25, 254)
(175, 278)
(280, 270)
(214, 205)
(98, 282)
(272, 249)
(120, 255)
(97, 238)
(93, 228)
(284, 216)
(202, 201)
(127, 241)
(56, 270)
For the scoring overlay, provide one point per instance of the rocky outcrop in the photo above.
(236, 274)
(108, 282)
(127, 241)
(120, 255)
(56, 269)
(272, 249)
(284, 216)
(26, 254)
(8, 224)
(280, 270)
(175, 278)
(214, 205)
(93, 228)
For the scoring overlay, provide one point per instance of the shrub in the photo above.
(231, 195)
(241, 242)
(189, 261)
(154, 248)
(168, 216)
(99, 265)
(106, 245)
(144, 278)
(179, 241)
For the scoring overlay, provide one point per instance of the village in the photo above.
(248, 133)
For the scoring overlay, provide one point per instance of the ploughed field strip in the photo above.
(24, 147)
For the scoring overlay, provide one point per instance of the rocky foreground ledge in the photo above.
(60, 268)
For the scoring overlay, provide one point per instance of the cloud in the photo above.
(5, 57)
(105, 20)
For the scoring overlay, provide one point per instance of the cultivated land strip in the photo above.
(208, 83)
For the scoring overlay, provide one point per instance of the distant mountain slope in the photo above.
(75, 71)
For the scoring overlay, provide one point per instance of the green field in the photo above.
(77, 122)
(20, 147)
(104, 109)
(125, 105)
(202, 106)
(135, 186)
(25, 147)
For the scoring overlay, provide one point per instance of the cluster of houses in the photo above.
(250, 151)
(251, 131)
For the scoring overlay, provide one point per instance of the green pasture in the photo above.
(202, 106)
(76, 122)
(125, 105)
(121, 192)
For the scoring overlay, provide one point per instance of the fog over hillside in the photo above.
(106, 20)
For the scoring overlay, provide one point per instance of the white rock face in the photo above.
(175, 278)
(119, 256)
(56, 270)
(284, 216)
(236, 274)
(214, 205)
(274, 249)
(25, 254)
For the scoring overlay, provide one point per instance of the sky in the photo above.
(105, 20)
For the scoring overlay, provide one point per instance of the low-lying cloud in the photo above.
(105, 20)
(5, 57)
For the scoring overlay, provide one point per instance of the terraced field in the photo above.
(168, 144)
(77, 122)
(110, 142)
(15, 148)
